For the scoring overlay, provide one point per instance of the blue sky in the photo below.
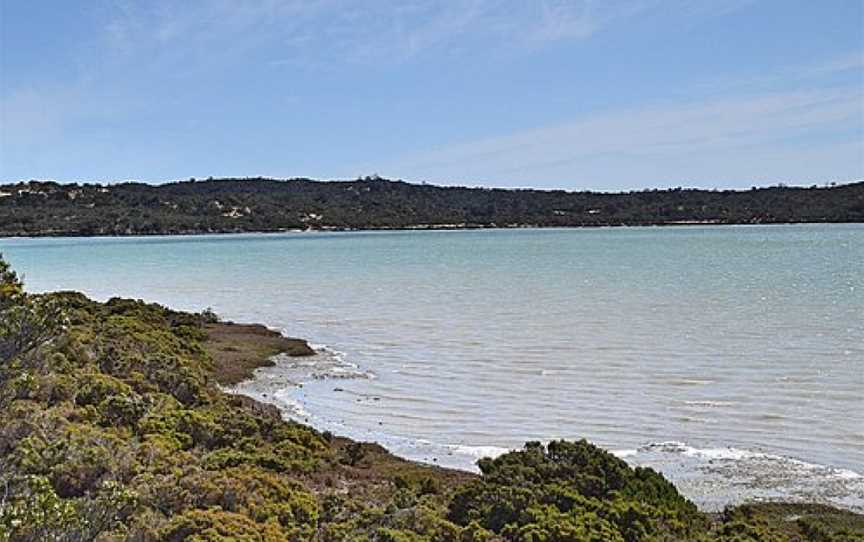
(580, 94)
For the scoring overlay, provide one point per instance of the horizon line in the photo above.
(829, 183)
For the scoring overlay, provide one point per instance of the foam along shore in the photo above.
(713, 478)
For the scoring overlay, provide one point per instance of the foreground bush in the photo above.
(572, 491)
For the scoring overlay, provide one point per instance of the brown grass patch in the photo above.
(238, 349)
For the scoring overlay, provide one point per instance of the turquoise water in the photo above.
(731, 358)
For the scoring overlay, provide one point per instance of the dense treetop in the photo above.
(244, 205)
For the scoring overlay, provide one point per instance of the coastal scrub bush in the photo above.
(353, 454)
(32, 511)
(26, 321)
(570, 491)
(216, 525)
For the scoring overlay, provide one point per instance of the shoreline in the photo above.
(415, 228)
(269, 376)
(239, 350)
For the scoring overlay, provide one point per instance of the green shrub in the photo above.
(215, 525)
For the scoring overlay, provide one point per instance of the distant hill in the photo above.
(265, 205)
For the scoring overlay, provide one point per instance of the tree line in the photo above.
(263, 205)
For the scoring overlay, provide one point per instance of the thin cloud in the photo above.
(645, 137)
(367, 31)
(853, 61)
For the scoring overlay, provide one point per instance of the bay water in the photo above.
(731, 358)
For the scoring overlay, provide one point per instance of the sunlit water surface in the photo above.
(730, 358)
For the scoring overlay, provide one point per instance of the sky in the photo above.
(579, 94)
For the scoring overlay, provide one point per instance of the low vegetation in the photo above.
(262, 205)
(238, 349)
(113, 428)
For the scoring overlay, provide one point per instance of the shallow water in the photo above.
(731, 358)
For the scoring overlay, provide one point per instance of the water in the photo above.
(730, 358)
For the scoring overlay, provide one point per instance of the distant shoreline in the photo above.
(50, 209)
(417, 228)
